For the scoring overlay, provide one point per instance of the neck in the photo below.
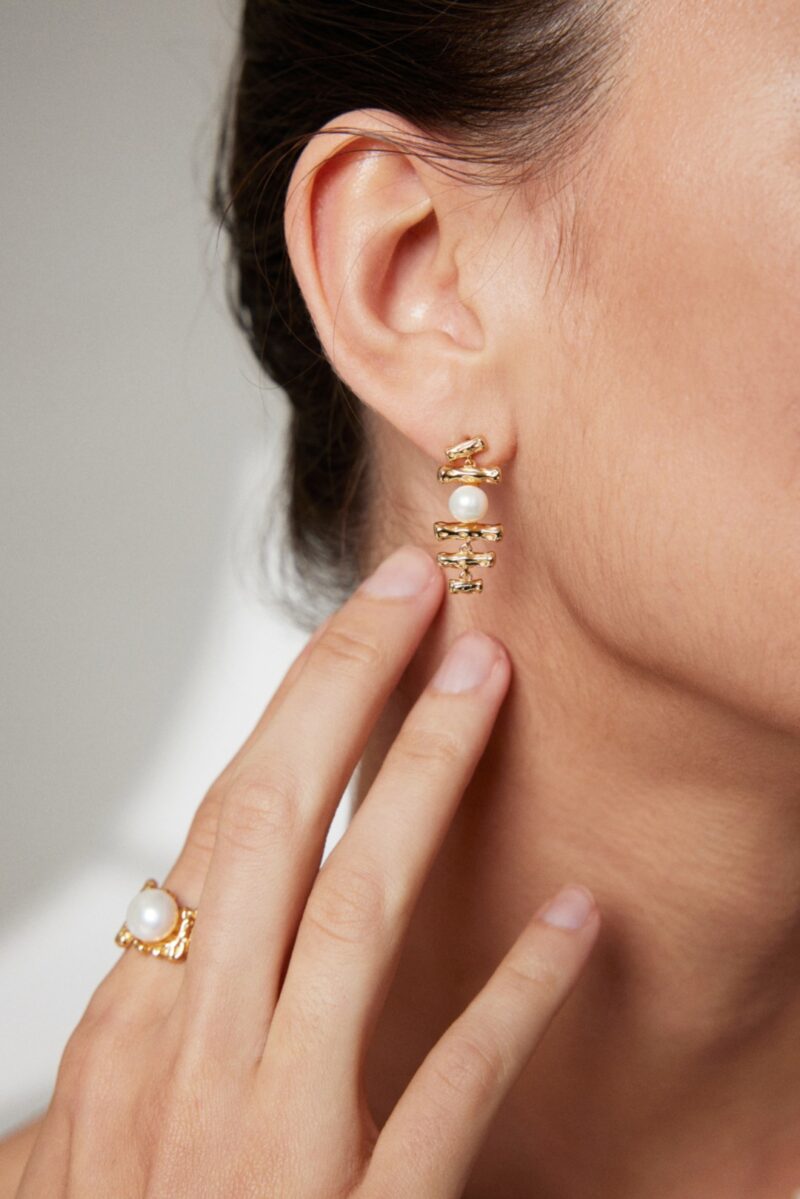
(673, 1069)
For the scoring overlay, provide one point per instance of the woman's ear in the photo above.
(382, 244)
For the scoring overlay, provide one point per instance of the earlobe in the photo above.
(374, 235)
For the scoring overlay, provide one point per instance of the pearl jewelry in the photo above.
(468, 502)
(152, 914)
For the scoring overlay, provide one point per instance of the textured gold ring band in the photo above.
(157, 923)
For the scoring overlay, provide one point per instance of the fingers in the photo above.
(430, 1140)
(189, 871)
(277, 798)
(153, 991)
(358, 911)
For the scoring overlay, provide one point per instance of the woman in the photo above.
(569, 230)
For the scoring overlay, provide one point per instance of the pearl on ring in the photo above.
(152, 914)
(468, 502)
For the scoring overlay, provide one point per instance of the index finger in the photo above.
(280, 792)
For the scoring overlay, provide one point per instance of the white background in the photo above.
(138, 446)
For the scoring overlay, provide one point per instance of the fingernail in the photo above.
(467, 663)
(406, 572)
(570, 908)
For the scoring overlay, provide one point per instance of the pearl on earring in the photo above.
(468, 502)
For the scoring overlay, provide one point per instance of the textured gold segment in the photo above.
(466, 585)
(469, 474)
(443, 529)
(466, 558)
(175, 945)
(465, 449)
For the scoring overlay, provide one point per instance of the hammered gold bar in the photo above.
(469, 474)
(465, 560)
(466, 584)
(465, 449)
(444, 529)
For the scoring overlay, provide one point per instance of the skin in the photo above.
(622, 331)
(178, 1083)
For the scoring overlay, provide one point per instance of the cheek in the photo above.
(682, 468)
(683, 557)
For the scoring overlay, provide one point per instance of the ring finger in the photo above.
(133, 979)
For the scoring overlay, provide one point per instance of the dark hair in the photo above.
(506, 84)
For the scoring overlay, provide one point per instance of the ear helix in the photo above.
(468, 504)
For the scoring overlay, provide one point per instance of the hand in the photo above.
(238, 1072)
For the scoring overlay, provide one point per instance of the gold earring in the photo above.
(468, 505)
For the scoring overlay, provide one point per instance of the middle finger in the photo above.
(356, 918)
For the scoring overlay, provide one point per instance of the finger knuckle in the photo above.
(72, 1065)
(100, 1001)
(470, 1065)
(533, 973)
(202, 834)
(347, 905)
(343, 650)
(429, 748)
(89, 1061)
(257, 811)
(113, 999)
